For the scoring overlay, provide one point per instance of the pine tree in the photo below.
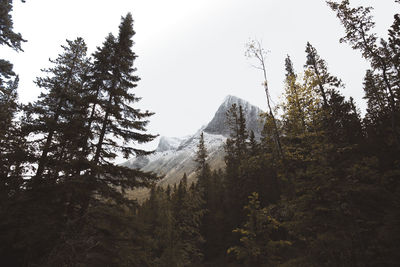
(173, 224)
(42, 201)
(238, 131)
(12, 140)
(203, 168)
(337, 112)
(292, 89)
(53, 114)
(116, 119)
(77, 191)
(236, 151)
(113, 125)
(9, 38)
(325, 81)
(358, 26)
(189, 213)
(381, 125)
(214, 221)
(117, 116)
(258, 235)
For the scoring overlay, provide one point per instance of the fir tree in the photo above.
(358, 25)
(202, 166)
(236, 151)
(258, 237)
(12, 139)
(116, 119)
(114, 125)
(9, 38)
(325, 81)
(52, 113)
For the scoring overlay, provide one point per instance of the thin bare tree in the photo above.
(256, 51)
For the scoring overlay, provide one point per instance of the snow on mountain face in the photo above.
(175, 156)
(168, 143)
(175, 162)
(218, 125)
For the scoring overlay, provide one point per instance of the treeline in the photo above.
(62, 199)
(319, 188)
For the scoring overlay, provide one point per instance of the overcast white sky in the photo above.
(191, 53)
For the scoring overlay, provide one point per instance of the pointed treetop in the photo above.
(289, 67)
(201, 154)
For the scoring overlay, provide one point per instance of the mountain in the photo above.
(218, 125)
(175, 156)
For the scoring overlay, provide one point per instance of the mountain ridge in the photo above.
(175, 156)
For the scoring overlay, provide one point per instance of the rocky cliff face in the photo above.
(218, 125)
(175, 156)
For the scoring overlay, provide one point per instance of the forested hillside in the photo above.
(319, 187)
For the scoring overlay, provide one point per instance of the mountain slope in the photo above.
(175, 156)
(218, 125)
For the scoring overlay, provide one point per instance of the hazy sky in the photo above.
(191, 53)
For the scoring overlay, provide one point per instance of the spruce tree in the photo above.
(259, 237)
(189, 211)
(54, 113)
(113, 127)
(12, 140)
(236, 152)
(358, 25)
(326, 82)
(116, 119)
(381, 124)
(338, 112)
(9, 38)
(203, 168)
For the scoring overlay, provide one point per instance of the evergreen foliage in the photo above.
(173, 222)
(73, 210)
(58, 109)
(319, 188)
(12, 139)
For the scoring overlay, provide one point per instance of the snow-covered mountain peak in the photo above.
(176, 156)
(230, 100)
(168, 143)
(218, 125)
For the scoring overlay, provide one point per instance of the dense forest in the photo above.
(321, 187)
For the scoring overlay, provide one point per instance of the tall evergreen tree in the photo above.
(116, 119)
(259, 238)
(202, 166)
(11, 138)
(292, 86)
(338, 112)
(325, 81)
(115, 127)
(14, 152)
(8, 37)
(52, 113)
(358, 26)
(236, 150)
